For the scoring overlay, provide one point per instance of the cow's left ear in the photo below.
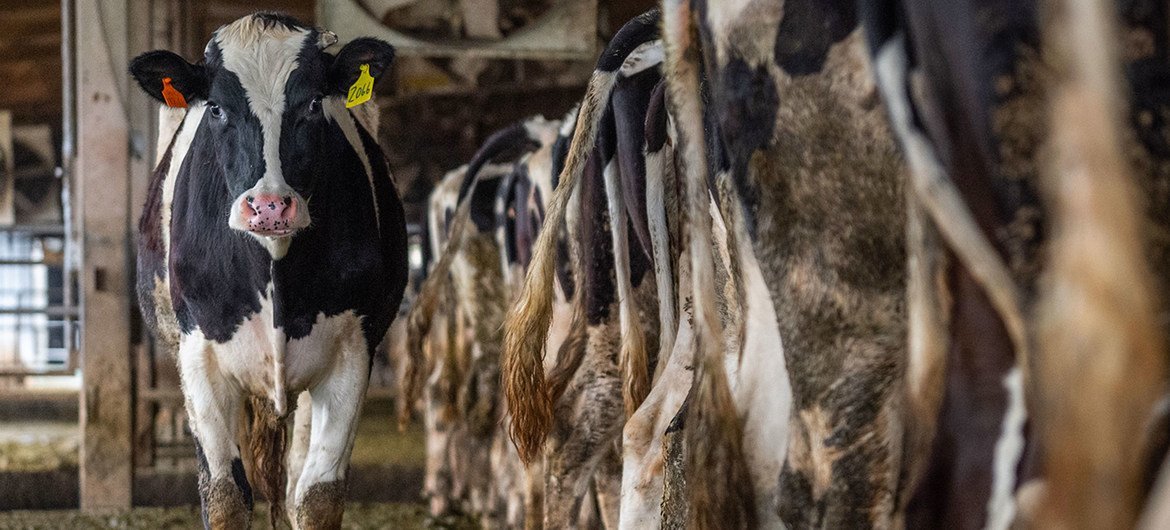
(159, 69)
(347, 66)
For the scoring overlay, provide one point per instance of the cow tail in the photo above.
(713, 437)
(267, 445)
(526, 327)
(658, 163)
(421, 315)
(633, 358)
(1101, 354)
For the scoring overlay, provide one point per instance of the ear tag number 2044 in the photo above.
(362, 89)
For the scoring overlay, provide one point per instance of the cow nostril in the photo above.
(250, 199)
(288, 201)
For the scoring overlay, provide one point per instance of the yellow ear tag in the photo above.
(362, 89)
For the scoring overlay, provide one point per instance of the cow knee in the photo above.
(321, 506)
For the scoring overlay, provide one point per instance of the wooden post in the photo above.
(102, 184)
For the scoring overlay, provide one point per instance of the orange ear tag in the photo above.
(173, 97)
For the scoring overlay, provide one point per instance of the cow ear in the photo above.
(155, 70)
(347, 66)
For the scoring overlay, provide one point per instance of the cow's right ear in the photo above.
(156, 70)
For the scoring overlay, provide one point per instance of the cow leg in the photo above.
(608, 483)
(336, 403)
(298, 450)
(214, 406)
(642, 448)
(593, 420)
(439, 430)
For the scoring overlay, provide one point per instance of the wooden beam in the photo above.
(102, 183)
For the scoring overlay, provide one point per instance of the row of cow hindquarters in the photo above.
(809, 264)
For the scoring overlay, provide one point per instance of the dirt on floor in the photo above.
(357, 516)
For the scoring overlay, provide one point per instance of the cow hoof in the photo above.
(322, 506)
(226, 508)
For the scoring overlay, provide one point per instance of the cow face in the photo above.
(270, 90)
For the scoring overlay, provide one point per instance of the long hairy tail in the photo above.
(714, 437)
(526, 328)
(1101, 357)
(421, 315)
(267, 445)
(633, 357)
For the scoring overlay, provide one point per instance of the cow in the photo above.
(470, 217)
(813, 197)
(1026, 230)
(272, 258)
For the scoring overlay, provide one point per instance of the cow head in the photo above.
(269, 90)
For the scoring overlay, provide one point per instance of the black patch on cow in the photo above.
(748, 102)
(631, 100)
(565, 267)
(560, 151)
(596, 243)
(506, 213)
(640, 29)
(240, 478)
(656, 114)
(521, 228)
(483, 204)
(807, 31)
(217, 275)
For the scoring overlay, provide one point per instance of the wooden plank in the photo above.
(7, 171)
(102, 184)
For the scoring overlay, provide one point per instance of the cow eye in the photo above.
(315, 104)
(215, 111)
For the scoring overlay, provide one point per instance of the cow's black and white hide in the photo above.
(273, 255)
(813, 200)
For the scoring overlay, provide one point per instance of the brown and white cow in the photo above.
(265, 294)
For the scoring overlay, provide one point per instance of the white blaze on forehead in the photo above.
(263, 55)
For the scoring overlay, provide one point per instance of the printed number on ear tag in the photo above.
(172, 96)
(362, 89)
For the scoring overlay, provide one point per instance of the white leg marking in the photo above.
(213, 404)
(336, 404)
(298, 450)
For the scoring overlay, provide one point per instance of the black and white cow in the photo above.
(272, 257)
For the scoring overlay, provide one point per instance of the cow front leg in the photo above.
(336, 403)
(213, 409)
(298, 449)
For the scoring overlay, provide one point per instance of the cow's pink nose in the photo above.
(269, 214)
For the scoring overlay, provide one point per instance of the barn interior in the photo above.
(91, 414)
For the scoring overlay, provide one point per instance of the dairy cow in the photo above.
(272, 258)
